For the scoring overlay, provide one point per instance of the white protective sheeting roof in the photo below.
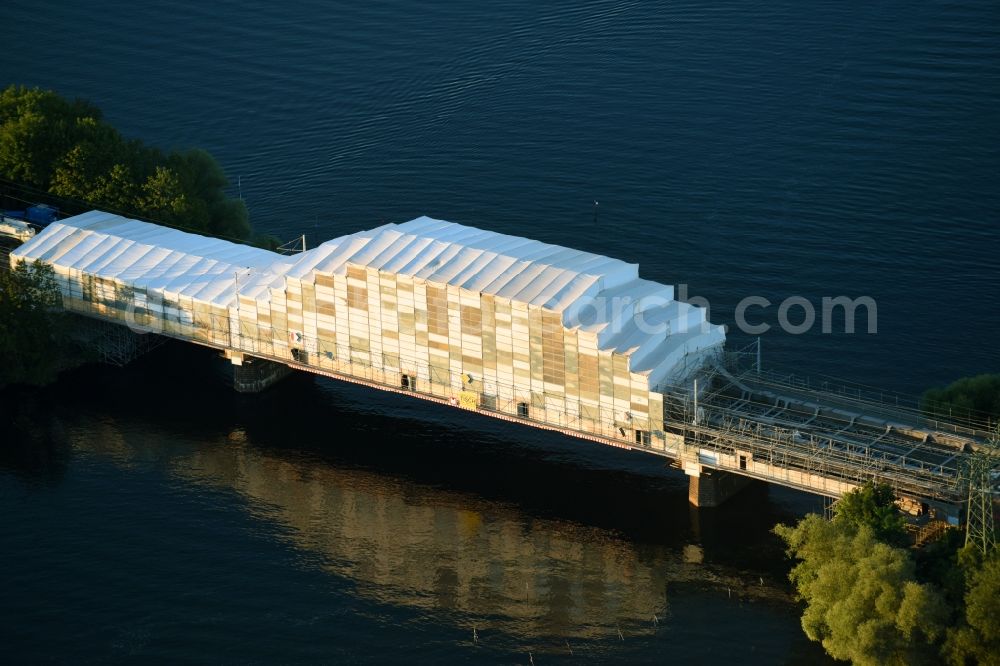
(519, 269)
(147, 255)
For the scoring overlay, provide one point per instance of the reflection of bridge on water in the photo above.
(440, 551)
(495, 324)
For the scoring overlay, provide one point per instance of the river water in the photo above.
(743, 149)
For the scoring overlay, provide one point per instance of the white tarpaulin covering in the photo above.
(595, 294)
(146, 255)
(519, 269)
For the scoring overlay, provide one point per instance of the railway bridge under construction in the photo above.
(509, 328)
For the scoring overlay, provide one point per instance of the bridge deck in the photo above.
(777, 429)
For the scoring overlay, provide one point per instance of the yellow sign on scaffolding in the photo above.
(468, 400)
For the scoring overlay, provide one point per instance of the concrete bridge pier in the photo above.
(253, 375)
(709, 488)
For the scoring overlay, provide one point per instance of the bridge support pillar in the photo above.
(253, 375)
(710, 487)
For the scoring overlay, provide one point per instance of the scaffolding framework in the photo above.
(113, 343)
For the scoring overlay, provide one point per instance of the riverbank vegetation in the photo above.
(32, 325)
(66, 150)
(62, 152)
(868, 600)
(977, 398)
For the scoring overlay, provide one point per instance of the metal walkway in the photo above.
(814, 440)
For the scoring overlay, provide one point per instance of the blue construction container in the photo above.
(41, 215)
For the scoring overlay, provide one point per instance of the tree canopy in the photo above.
(65, 148)
(873, 505)
(975, 397)
(863, 602)
(30, 325)
(976, 638)
(870, 602)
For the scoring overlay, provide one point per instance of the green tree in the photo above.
(164, 197)
(873, 505)
(65, 148)
(205, 182)
(976, 639)
(37, 128)
(975, 397)
(863, 602)
(266, 242)
(31, 325)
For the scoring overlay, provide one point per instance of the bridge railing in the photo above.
(903, 408)
(745, 364)
(822, 416)
(833, 445)
(728, 432)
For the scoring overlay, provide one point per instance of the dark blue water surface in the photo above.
(775, 149)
